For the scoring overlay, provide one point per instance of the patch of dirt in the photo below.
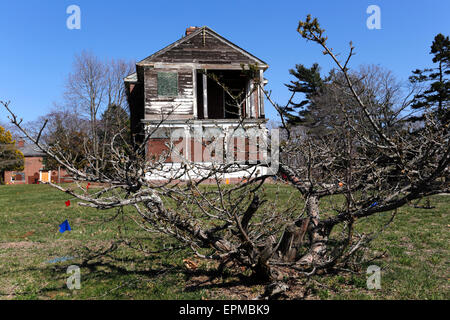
(53, 295)
(224, 288)
(242, 288)
(8, 290)
(19, 245)
(31, 244)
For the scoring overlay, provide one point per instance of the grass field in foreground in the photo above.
(416, 265)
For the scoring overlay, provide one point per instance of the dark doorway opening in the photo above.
(226, 92)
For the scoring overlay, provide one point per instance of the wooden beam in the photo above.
(251, 100)
(247, 100)
(261, 94)
(205, 96)
(194, 92)
(197, 65)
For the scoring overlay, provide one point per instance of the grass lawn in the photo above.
(416, 264)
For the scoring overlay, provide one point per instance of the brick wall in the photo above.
(32, 166)
(244, 149)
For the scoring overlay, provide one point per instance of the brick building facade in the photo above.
(34, 170)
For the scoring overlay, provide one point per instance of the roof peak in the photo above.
(192, 32)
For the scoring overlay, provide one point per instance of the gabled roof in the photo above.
(150, 59)
(30, 150)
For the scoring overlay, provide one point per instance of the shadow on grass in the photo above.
(102, 268)
(111, 273)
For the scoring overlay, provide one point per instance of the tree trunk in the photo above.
(318, 234)
(262, 271)
(293, 237)
(292, 240)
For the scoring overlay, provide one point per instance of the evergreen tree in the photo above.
(328, 103)
(114, 120)
(309, 83)
(114, 125)
(67, 133)
(436, 95)
(72, 143)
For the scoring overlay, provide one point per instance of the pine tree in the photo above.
(114, 120)
(308, 82)
(68, 135)
(114, 127)
(319, 111)
(435, 97)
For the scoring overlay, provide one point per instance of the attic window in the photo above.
(167, 84)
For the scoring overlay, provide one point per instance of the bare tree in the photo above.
(373, 158)
(92, 87)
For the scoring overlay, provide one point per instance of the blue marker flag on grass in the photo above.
(63, 227)
(373, 204)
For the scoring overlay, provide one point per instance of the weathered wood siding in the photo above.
(183, 104)
(203, 48)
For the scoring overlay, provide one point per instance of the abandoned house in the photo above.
(199, 80)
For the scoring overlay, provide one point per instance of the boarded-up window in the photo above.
(167, 84)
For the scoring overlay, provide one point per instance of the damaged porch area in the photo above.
(227, 94)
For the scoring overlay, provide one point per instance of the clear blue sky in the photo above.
(37, 49)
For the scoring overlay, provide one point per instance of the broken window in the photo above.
(221, 103)
(167, 84)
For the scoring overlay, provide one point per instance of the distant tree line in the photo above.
(93, 110)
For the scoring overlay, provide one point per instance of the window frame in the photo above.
(158, 83)
(15, 173)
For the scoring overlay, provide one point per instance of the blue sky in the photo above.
(37, 49)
